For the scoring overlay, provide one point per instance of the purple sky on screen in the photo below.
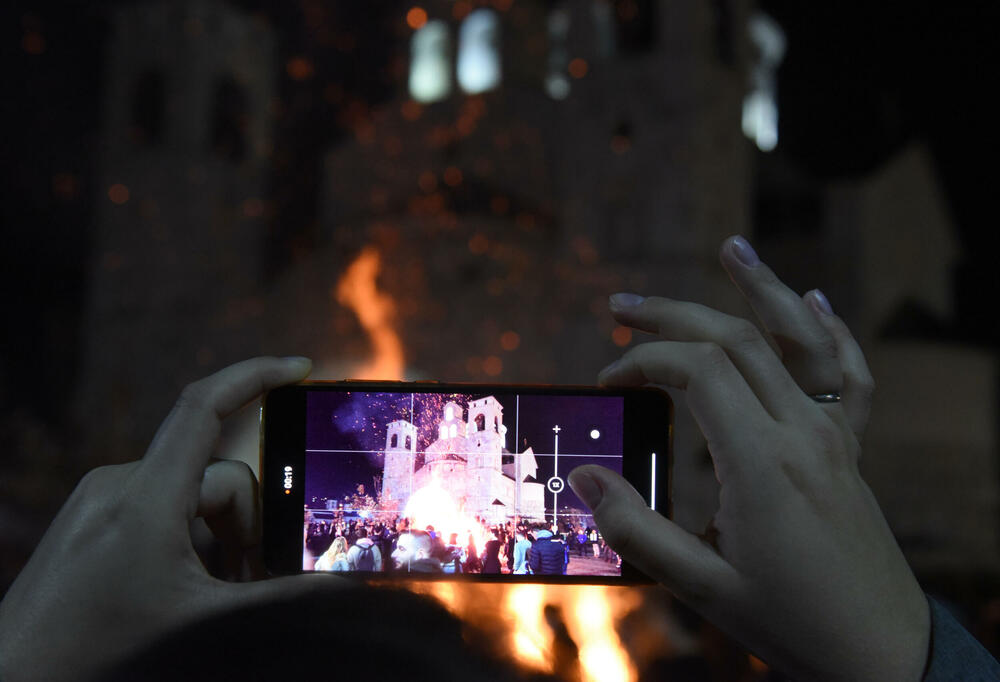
(356, 422)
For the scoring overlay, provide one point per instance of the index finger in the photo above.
(808, 350)
(179, 453)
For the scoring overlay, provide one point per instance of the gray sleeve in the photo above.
(954, 653)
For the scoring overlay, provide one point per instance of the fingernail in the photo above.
(744, 252)
(608, 370)
(626, 300)
(586, 488)
(302, 362)
(820, 302)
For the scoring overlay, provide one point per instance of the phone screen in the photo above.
(467, 484)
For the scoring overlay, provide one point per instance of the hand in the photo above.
(798, 563)
(117, 569)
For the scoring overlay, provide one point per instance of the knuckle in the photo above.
(826, 347)
(826, 435)
(91, 481)
(101, 477)
(103, 492)
(711, 356)
(745, 335)
(194, 397)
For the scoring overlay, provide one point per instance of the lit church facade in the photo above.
(468, 461)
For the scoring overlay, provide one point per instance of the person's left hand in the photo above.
(117, 568)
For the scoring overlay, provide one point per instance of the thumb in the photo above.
(236, 595)
(688, 566)
(227, 502)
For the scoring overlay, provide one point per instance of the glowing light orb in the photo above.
(595, 434)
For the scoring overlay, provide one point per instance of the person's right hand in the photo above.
(799, 563)
(117, 569)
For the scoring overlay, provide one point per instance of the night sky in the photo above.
(356, 421)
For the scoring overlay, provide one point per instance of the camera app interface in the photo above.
(455, 483)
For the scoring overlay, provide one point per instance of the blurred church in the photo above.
(538, 157)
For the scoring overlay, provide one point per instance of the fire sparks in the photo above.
(375, 310)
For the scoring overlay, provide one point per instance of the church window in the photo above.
(454, 430)
(393, 441)
(556, 80)
(479, 52)
(496, 424)
(760, 107)
(449, 413)
(149, 101)
(430, 62)
(229, 120)
(408, 443)
(480, 422)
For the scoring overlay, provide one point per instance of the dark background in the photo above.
(859, 80)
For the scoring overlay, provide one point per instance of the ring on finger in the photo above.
(825, 397)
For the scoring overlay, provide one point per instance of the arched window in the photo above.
(480, 422)
(430, 62)
(449, 413)
(393, 441)
(229, 120)
(556, 79)
(760, 106)
(407, 442)
(454, 430)
(479, 52)
(149, 102)
(496, 424)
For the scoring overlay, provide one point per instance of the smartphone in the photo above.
(425, 480)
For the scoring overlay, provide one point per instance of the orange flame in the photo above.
(358, 291)
(590, 612)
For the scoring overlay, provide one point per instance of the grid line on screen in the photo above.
(424, 452)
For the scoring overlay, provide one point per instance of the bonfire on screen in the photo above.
(455, 483)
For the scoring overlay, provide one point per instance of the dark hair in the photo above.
(362, 532)
(384, 634)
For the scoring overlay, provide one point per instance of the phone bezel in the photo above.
(282, 443)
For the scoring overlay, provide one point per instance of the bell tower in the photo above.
(452, 425)
(486, 434)
(400, 453)
(179, 216)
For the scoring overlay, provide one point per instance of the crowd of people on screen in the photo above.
(365, 545)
